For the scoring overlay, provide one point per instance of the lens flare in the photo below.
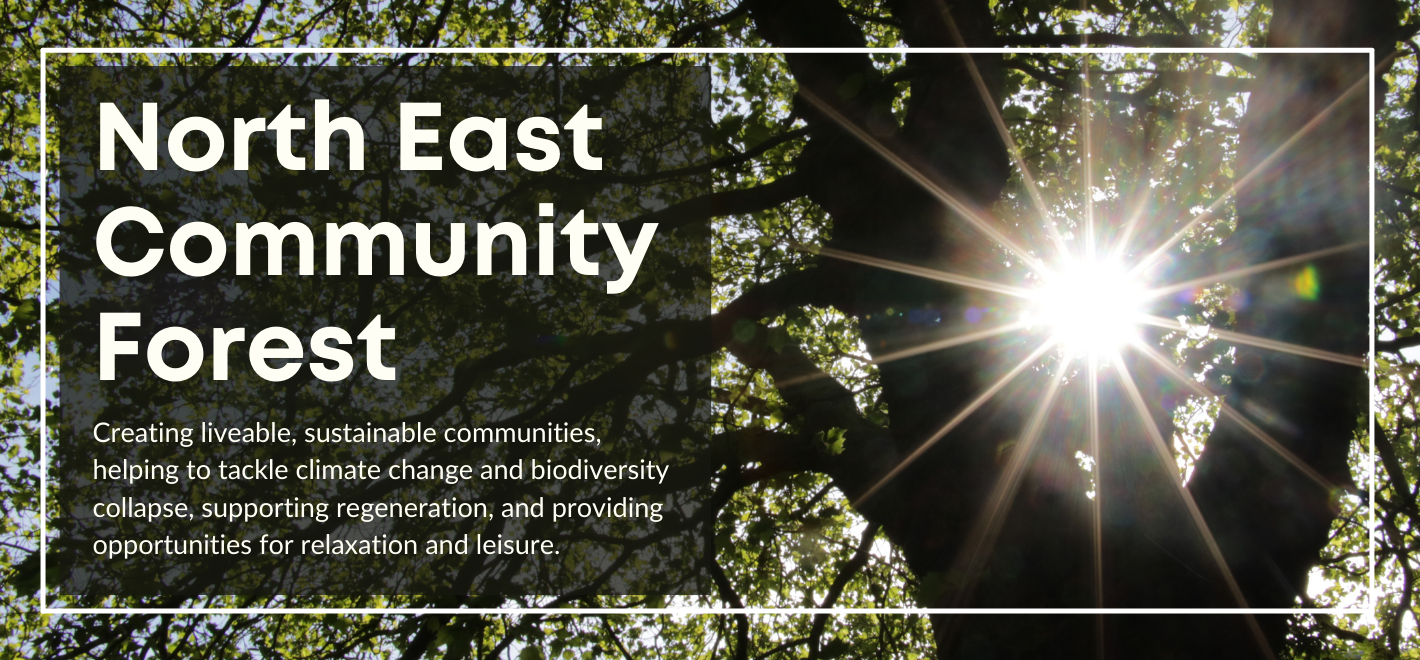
(1090, 308)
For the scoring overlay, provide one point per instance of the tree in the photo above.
(823, 165)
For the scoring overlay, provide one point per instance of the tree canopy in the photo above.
(891, 428)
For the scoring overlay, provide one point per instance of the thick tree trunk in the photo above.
(1269, 519)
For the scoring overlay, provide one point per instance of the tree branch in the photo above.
(729, 483)
(1398, 344)
(1398, 189)
(1391, 461)
(817, 287)
(808, 23)
(776, 452)
(1169, 16)
(645, 344)
(691, 170)
(606, 625)
(824, 404)
(689, 212)
(1399, 298)
(685, 34)
(783, 647)
(26, 226)
(1244, 62)
(840, 582)
(222, 62)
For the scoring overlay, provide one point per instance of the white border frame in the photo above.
(43, 388)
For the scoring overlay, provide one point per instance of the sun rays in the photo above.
(1091, 304)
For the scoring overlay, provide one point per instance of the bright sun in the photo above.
(1090, 307)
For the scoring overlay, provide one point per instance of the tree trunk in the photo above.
(1269, 519)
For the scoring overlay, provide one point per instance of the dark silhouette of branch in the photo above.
(606, 626)
(689, 212)
(1400, 298)
(729, 483)
(850, 569)
(26, 226)
(222, 62)
(817, 287)
(684, 35)
(1244, 62)
(783, 647)
(1391, 461)
(1397, 344)
(1399, 189)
